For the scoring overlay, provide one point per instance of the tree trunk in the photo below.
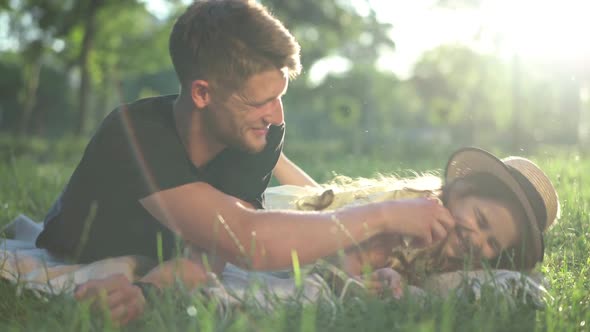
(85, 75)
(516, 105)
(584, 125)
(32, 71)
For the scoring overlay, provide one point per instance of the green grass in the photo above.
(28, 186)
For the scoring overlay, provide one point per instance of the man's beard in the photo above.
(228, 137)
(240, 143)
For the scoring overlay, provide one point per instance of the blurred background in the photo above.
(383, 79)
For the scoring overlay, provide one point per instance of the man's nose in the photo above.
(274, 113)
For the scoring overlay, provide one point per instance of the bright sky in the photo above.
(158, 7)
(543, 30)
(537, 30)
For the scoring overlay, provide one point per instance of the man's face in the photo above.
(243, 119)
(485, 227)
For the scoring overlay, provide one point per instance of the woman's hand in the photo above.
(122, 299)
(384, 281)
(424, 218)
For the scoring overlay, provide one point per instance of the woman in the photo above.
(501, 209)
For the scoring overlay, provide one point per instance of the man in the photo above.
(170, 172)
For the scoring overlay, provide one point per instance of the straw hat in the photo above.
(529, 183)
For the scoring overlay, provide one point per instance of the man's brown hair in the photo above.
(227, 41)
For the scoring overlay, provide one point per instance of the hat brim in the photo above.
(472, 160)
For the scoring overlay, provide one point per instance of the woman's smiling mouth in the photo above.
(463, 242)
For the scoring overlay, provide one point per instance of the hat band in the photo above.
(533, 197)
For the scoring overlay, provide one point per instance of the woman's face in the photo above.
(485, 227)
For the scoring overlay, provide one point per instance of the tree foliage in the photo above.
(94, 43)
(464, 90)
(77, 60)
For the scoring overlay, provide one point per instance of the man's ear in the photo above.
(200, 93)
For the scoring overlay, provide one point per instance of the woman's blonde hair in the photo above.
(344, 191)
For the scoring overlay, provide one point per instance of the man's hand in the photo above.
(423, 218)
(116, 294)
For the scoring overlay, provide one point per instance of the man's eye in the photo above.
(259, 106)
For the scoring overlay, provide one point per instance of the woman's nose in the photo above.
(475, 239)
(472, 234)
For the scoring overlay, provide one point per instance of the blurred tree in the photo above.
(339, 105)
(89, 38)
(111, 39)
(325, 27)
(88, 13)
(364, 111)
(130, 46)
(108, 46)
(28, 25)
(10, 83)
(465, 91)
(516, 104)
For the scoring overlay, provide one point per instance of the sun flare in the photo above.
(541, 29)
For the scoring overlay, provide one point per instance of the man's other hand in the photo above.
(116, 294)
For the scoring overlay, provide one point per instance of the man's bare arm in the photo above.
(251, 238)
(263, 240)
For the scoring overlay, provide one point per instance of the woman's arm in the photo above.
(287, 172)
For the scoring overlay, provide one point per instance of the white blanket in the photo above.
(36, 269)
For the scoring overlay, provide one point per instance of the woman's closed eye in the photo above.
(482, 222)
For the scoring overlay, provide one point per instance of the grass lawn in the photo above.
(29, 186)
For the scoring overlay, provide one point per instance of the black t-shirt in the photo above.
(137, 152)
